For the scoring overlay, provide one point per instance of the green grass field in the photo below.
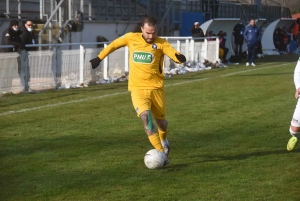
(228, 130)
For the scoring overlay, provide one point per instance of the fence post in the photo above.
(19, 9)
(217, 49)
(187, 52)
(126, 59)
(55, 67)
(105, 65)
(178, 45)
(81, 64)
(192, 50)
(23, 65)
(205, 48)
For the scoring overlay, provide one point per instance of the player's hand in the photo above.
(180, 58)
(95, 62)
(297, 93)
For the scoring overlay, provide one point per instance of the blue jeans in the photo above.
(251, 53)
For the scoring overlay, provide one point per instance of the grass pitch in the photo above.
(228, 130)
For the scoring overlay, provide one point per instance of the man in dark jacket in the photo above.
(238, 33)
(28, 36)
(11, 36)
(251, 36)
(197, 31)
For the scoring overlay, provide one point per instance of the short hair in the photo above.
(151, 21)
(27, 20)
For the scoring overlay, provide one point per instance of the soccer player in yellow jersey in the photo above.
(146, 78)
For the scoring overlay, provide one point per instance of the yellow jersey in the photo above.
(145, 60)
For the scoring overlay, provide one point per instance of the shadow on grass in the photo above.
(218, 158)
(246, 155)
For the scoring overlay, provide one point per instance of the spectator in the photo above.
(238, 33)
(28, 36)
(210, 34)
(276, 39)
(251, 36)
(223, 50)
(285, 41)
(197, 31)
(11, 36)
(295, 29)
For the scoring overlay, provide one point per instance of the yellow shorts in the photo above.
(149, 99)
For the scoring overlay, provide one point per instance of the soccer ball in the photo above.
(154, 159)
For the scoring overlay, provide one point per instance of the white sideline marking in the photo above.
(121, 93)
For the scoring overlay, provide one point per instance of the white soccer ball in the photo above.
(154, 159)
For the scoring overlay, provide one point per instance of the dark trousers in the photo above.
(238, 49)
(250, 53)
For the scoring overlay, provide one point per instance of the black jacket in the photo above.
(11, 37)
(197, 32)
(28, 38)
(238, 32)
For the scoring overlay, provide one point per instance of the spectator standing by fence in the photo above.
(28, 36)
(238, 33)
(251, 36)
(197, 31)
(11, 36)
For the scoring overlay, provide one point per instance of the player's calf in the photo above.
(162, 130)
(151, 130)
(149, 127)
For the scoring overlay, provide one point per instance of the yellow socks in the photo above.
(155, 141)
(162, 134)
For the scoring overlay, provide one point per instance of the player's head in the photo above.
(252, 22)
(149, 25)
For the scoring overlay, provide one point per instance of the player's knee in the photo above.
(162, 124)
(295, 131)
(146, 118)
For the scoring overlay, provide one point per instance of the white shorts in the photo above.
(296, 117)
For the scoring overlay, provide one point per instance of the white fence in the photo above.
(59, 68)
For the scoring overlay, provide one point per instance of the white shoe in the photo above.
(247, 64)
(252, 64)
(166, 146)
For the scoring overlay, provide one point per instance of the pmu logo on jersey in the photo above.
(154, 46)
(143, 57)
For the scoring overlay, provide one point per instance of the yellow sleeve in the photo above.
(170, 51)
(116, 44)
